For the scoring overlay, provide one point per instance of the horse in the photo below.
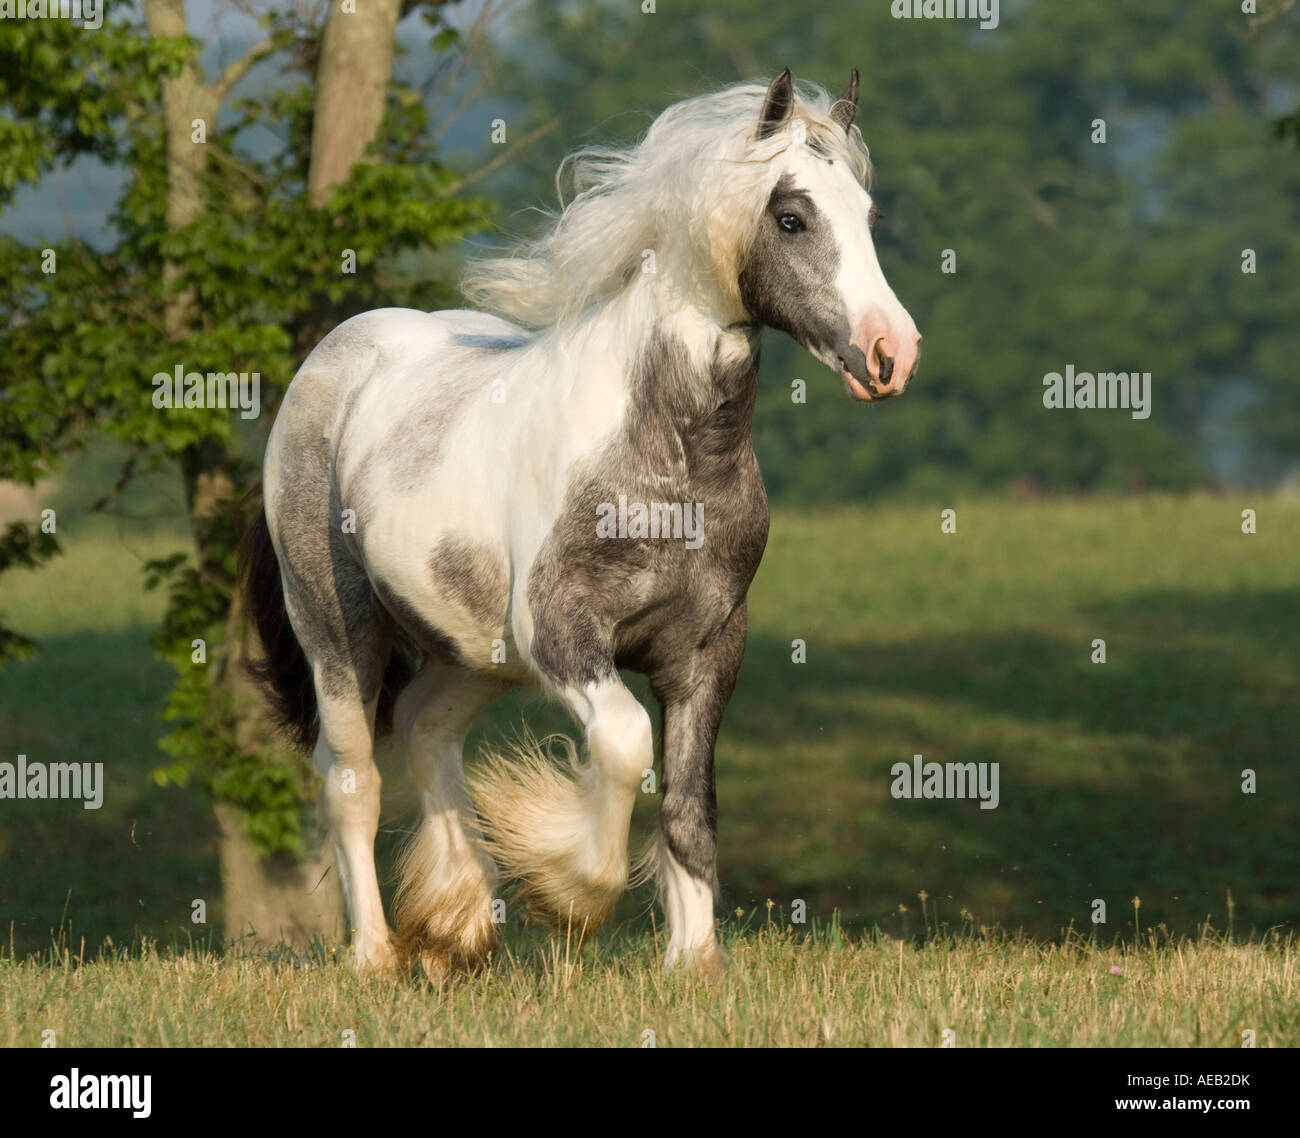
(457, 503)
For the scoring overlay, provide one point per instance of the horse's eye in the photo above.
(873, 216)
(789, 222)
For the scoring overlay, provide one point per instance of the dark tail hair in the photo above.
(283, 671)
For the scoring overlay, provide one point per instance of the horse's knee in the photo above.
(620, 738)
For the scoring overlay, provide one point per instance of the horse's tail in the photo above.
(283, 671)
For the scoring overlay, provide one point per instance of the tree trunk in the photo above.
(186, 97)
(273, 900)
(356, 65)
(266, 900)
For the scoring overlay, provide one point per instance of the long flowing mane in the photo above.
(691, 190)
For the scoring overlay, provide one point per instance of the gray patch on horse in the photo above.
(358, 489)
(487, 342)
(788, 279)
(693, 706)
(647, 604)
(335, 614)
(415, 447)
(473, 577)
(674, 614)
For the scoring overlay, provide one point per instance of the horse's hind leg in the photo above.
(443, 909)
(347, 638)
(350, 797)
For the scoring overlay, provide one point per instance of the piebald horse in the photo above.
(445, 483)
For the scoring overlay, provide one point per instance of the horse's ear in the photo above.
(847, 104)
(777, 105)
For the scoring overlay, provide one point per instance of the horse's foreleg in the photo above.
(561, 830)
(688, 836)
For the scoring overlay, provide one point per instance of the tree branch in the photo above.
(1261, 19)
(115, 491)
(237, 70)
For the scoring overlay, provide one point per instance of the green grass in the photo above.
(92, 694)
(1118, 780)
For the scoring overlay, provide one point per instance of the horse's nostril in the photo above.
(886, 368)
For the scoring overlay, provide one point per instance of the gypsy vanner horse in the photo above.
(434, 482)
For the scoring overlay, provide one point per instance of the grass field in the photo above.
(783, 990)
(1118, 780)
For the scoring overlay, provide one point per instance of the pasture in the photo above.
(783, 990)
(1118, 781)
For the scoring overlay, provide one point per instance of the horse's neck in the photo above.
(687, 383)
(679, 360)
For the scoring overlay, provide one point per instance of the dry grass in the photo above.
(784, 989)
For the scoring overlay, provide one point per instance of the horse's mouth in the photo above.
(873, 391)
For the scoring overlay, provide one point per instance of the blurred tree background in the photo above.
(1124, 255)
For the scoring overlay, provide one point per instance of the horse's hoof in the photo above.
(708, 962)
(376, 957)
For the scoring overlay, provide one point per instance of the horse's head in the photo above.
(810, 266)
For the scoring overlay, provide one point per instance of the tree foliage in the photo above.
(268, 275)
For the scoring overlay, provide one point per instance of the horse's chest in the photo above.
(660, 532)
(644, 552)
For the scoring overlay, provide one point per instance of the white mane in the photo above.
(692, 190)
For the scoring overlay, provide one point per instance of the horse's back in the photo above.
(385, 368)
(403, 340)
